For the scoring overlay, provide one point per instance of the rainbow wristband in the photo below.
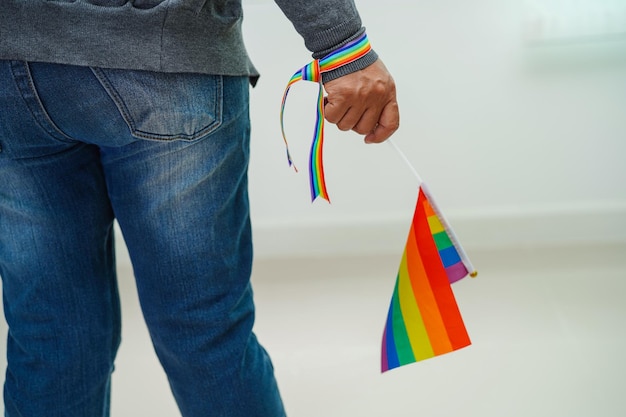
(348, 53)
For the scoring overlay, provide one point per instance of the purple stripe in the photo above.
(347, 46)
(456, 272)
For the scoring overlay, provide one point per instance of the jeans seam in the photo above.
(39, 113)
(112, 92)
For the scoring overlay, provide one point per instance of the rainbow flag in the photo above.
(424, 320)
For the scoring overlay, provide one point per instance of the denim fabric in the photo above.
(166, 155)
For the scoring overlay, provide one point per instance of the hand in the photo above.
(364, 101)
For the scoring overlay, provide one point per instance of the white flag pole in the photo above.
(455, 241)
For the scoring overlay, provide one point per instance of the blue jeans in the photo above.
(166, 155)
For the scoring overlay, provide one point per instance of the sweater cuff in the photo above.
(354, 66)
(359, 64)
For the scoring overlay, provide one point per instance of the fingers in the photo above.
(376, 126)
(360, 119)
(335, 111)
(388, 123)
(365, 102)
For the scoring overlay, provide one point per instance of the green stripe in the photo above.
(442, 240)
(400, 335)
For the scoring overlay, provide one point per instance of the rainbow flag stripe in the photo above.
(423, 319)
(350, 52)
(455, 269)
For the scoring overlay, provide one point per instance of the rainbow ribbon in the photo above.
(350, 52)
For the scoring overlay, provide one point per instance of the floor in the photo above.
(547, 328)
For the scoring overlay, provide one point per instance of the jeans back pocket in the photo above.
(165, 106)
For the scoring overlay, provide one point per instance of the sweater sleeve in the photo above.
(326, 25)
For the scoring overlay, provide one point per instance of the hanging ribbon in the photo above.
(350, 52)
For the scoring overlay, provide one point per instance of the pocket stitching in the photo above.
(136, 132)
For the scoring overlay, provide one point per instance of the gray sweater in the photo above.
(202, 36)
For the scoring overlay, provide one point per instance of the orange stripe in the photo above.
(438, 279)
(425, 298)
(428, 208)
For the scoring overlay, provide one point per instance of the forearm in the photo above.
(326, 25)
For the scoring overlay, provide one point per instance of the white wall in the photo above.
(522, 140)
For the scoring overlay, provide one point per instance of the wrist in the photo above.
(351, 55)
(354, 66)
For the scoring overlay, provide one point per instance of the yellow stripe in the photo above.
(420, 343)
(435, 225)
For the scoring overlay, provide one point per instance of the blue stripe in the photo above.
(392, 355)
(449, 256)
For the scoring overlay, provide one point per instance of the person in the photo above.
(138, 111)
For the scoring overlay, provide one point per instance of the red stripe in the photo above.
(438, 278)
(426, 299)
